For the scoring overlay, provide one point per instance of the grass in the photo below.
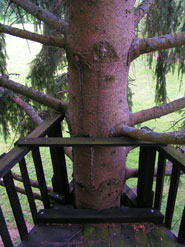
(21, 54)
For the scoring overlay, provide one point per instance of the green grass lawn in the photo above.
(21, 54)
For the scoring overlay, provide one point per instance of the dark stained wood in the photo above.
(60, 178)
(174, 156)
(172, 195)
(181, 234)
(122, 214)
(128, 198)
(28, 189)
(145, 177)
(15, 204)
(4, 231)
(100, 235)
(40, 177)
(159, 181)
(17, 153)
(81, 141)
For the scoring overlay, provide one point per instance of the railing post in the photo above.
(60, 178)
(159, 181)
(181, 235)
(145, 177)
(4, 231)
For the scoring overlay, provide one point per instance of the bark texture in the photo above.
(99, 37)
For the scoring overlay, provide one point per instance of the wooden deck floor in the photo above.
(100, 235)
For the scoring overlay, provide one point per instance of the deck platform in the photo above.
(100, 235)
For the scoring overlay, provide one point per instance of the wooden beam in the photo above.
(113, 215)
(80, 141)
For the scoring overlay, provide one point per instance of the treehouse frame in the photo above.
(144, 208)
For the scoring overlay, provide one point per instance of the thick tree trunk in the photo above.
(99, 36)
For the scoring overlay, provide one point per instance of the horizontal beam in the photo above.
(80, 141)
(113, 215)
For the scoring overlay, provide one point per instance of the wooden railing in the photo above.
(49, 135)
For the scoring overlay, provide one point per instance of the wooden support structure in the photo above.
(63, 225)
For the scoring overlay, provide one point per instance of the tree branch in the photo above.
(43, 39)
(157, 111)
(40, 97)
(141, 46)
(25, 106)
(142, 10)
(176, 137)
(43, 15)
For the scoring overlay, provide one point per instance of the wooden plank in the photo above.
(40, 177)
(17, 153)
(172, 196)
(15, 204)
(159, 181)
(60, 178)
(98, 235)
(28, 189)
(145, 177)
(174, 156)
(4, 231)
(181, 234)
(118, 215)
(81, 141)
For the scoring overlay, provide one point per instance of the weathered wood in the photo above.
(122, 214)
(181, 234)
(28, 189)
(17, 153)
(100, 235)
(145, 177)
(174, 156)
(15, 204)
(81, 141)
(128, 198)
(40, 177)
(60, 178)
(4, 231)
(159, 181)
(172, 196)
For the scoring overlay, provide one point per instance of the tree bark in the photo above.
(99, 37)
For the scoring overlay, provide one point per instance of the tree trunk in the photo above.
(99, 37)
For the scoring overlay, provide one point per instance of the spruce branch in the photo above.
(142, 10)
(43, 39)
(43, 15)
(176, 137)
(141, 46)
(35, 95)
(23, 105)
(156, 111)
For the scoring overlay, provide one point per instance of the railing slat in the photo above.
(15, 204)
(181, 235)
(159, 181)
(40, 176)
(172, 196)
(60, 178)
(27, 186)
(4, 231)
(145, 178)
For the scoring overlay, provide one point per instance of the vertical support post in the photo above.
(4, 231)
(15, 204)
(28, 189)
(145, 177)
(172, 196)
(181, 235)
(159, 181)
(60, 178)
(40, 176)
